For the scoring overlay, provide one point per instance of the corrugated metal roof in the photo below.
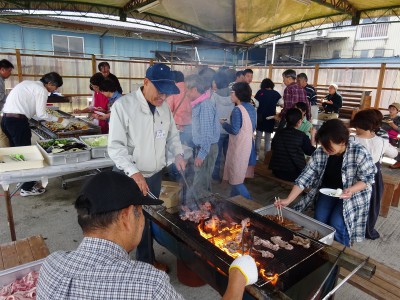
(239, 21)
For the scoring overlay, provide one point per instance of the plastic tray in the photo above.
(96, 152)
(34, 158)
(9, 275)
(309, 224)
(64, 158)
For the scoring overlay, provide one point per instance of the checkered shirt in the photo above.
(292, 94)
(100, 269)
(357, 166)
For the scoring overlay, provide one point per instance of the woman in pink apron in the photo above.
(241, 143)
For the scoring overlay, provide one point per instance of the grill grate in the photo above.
(282, 263)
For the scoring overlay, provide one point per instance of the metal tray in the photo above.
(56, 159)
(327, 232)
(9, 275)
(97, 152)
(93, 129)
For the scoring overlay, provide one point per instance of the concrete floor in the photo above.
(52, 215)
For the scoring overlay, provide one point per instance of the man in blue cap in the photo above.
(142, 129)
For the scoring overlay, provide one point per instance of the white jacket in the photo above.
(137, 139)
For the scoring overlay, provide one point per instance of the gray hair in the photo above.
(198, 82)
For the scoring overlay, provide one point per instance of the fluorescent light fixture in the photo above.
(149, 6)
(306, 2)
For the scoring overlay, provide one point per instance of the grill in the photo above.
(290, 265)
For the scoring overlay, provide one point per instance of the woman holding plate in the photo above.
(337, 164)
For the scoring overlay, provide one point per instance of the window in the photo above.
(364, 53)
(373, 29)
(379, 52)
(343, 25)
(68, 45)
(336, 53)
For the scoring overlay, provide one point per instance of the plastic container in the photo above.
(9, 275)
(96, 152)
(326, 232)
(32, 155)
(65, 158)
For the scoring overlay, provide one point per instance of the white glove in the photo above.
(247, 266)
(65, 122)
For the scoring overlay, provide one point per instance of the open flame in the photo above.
(226, 236)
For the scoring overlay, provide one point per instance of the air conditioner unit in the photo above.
(322, 33)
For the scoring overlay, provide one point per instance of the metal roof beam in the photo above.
(340, 5)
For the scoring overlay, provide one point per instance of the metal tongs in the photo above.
(279, 209)
(188, 188)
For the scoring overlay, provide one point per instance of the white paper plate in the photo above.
(329, 192)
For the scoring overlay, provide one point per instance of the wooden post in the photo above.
(316, 73)
(380, 84)
(94, 66)
(270, 67)
(19, 64)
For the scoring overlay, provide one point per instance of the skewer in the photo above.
(251, 242)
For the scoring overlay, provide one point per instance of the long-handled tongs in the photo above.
(188, 188)
(279, 209)
(329, 274)
(345, 279)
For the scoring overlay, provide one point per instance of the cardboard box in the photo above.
(170, 193)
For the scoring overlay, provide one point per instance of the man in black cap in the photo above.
(110, 214)
(142, 130)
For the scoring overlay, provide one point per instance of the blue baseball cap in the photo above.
(162, 78)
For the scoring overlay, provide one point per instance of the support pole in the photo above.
(266, 57)
(316, 73)
(303, 54)
(172, 53)
(273, 53)
(10, 216)
(380, 85)
(94, 67)
(19, 64)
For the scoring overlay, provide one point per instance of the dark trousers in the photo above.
(374, 205)
(222, 150)
(19, 134)
(145, 251)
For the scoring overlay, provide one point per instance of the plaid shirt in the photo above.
(100, 269)
(357, 166)
(205, 126)
(292, 94)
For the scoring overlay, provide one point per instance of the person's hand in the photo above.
(346, 194)
(198, 162)
(313, 131)
(247, 266)
(277, 117)
(77, 111)
(141, 182)
(180, 163)
(222, 121)
(96, 116)
(65, 122)
(100, 109)
(281, 202)
(391, 124)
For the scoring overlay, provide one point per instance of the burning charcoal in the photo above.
(278, 241)
(212, 224)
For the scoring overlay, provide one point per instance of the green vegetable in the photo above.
(100, 141)
(17, 157)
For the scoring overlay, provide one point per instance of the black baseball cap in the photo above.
(110, 191)
(163, 79)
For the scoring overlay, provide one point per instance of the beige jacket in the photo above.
(138, 140)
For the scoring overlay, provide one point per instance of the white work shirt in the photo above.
(28, 98)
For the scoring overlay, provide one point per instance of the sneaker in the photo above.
(32, 192)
